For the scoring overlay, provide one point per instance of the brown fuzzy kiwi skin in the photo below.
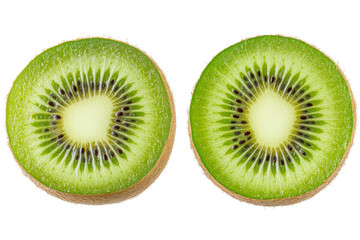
(289, 200)
(133, 190)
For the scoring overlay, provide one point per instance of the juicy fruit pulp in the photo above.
(89, 117)
(271, 118)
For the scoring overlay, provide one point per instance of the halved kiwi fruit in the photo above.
(271, 120)
(91, 121)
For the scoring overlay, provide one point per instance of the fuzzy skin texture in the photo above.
(281, 201)
(132, 191)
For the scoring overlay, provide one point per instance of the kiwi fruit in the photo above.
(271, 120)
(91, 121)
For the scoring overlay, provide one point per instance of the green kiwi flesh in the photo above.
(271, 120)
(90, 117)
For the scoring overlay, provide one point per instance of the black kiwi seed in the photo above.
(242, 142)
(259, 73)
(290, 148)
(105, 157)
(119, 114)
(57, 117)
(111, 82)
(252, 76)
(111, 154)
(74, 88)
(239, 110)
(127, 124)
(237, 133)
(126, 108)
(119, 151)
(114, 134)
(238, 100)
(282, 162)
(305, 128)
(235, 147)
(235, 116)
(236, 91)
(299, 140)
(45, 130)
(246, 133)
(303, 117)
(51, 103)
(61, 136)
(62, 92)
(272, 79)
(116, 127)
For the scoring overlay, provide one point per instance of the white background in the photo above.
(182, 38)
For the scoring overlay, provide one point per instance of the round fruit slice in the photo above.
(272, 120)
(91, 121)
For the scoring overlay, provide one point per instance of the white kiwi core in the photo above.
(271, 118)
(88, 120)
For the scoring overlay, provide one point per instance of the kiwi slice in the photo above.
(91, 121)
(271, 120)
